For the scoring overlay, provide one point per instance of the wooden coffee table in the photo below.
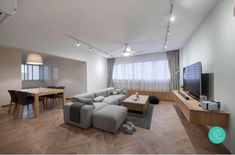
(138, 106)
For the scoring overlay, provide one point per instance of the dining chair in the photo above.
(53, 97)
(24, 99)
(14, 99)
(60, 95)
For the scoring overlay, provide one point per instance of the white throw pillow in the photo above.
(99, 99)
(114, 93)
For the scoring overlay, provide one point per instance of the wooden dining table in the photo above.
(37, 92)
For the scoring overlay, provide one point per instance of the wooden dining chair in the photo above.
(14, 99)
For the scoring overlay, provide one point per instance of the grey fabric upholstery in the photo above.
(85, 114)
(88, 110)
(85, 95)
(109, 118)
(86, 101)
(99, 105)
(115, 99)
(101, 93)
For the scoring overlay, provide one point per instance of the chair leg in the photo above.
(28, 107)
(44, 103)
(10, 107)
(15, 108)
(53, 100)
(22, 112)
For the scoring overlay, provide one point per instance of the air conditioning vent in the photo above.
(4, 18)
(7, 9)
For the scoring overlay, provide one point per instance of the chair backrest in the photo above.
(13, 95)
(22, 97)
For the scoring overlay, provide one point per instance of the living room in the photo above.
(100, 67)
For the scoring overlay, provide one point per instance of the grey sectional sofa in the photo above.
(87, 111)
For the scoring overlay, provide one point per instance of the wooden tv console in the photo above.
(195, 114)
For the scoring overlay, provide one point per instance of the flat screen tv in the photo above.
(193, 79)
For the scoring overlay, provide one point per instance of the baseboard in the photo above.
(5, 105)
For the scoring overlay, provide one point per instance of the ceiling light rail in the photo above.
(91, 47)
(171, 19)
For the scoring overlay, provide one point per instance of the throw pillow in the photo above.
(99, 99)
(114, 92)
(86, 101)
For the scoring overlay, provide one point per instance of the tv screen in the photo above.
(192, 79)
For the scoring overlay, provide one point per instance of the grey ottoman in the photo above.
(109, 118)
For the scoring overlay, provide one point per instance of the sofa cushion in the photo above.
(99, 105)
(99, 99)
(114, 99)
(109, 118)
(101, 93)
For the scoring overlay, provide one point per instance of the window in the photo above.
(30, 72)
(146, 72)
(156, 70)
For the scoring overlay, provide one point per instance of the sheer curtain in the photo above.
(144, 72)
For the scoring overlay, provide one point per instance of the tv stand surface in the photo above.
(183, 95)
(195, 114)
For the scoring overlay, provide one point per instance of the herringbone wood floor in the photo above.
(169, 133)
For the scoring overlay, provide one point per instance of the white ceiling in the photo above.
(43, 25)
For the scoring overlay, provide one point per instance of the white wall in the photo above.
(10, 73)
(72, 75)
(96, 65)
(214, 45)
(93, 72)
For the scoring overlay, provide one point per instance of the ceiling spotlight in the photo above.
(128, 49)
(126, 54)
(78, 44)
(172, 19)
(165, 47)
(168, 33)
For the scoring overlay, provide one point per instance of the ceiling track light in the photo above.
(171, 19)
(127, 50)
(91, 47)
(78, 44)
